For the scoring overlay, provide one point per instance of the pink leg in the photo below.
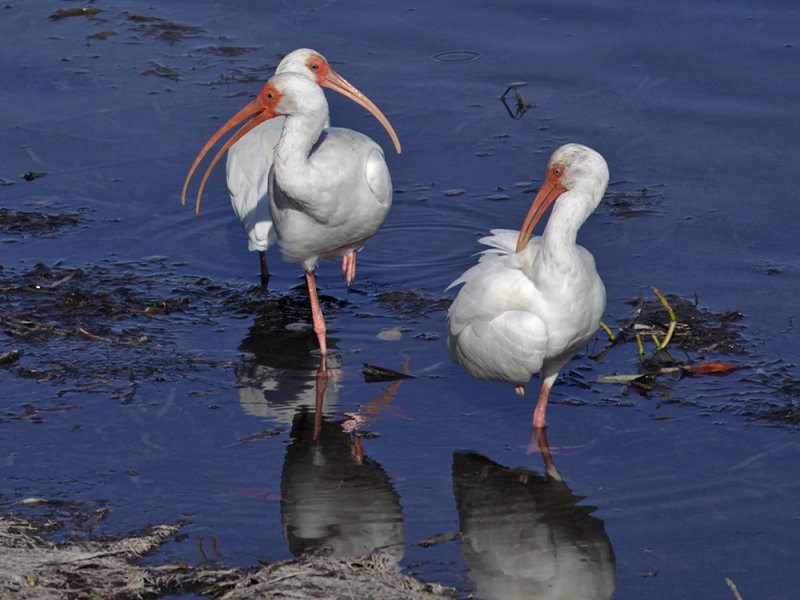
(316, 313)
(520, 390)
(349, 267)
(541, 406)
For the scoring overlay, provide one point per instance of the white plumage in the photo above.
(530, 304)
(250, 159)
(329, 189)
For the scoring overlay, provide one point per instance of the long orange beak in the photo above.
(339, 84)
(258, 109)
(550, 190)
(261, 111)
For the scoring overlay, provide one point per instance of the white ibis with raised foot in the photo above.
(329, 189)
(531, 303)
(250, 159)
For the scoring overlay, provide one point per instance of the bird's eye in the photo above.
(314, 66)
(557, 171)
(270, 96)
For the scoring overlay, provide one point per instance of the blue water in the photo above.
(695, 101)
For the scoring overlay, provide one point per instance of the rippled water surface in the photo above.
(157, 381)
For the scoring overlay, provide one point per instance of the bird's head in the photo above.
(571, 167)
(316, 67)
(277, 99)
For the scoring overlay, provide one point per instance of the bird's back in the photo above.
(502, 327)
(341, 202)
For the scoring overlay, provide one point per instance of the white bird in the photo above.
(250, 159)
(531, 303)
(329, 188)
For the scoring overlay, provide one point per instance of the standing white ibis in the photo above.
(329, 188)
(250, 159)
(531, 303)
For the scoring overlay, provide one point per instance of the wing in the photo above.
(248, 166)
(489, 331)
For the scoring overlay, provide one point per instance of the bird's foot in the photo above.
(349, 268)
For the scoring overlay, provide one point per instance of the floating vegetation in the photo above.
(521, 106)
(621, 202)
(160, 70)
(412, 304)
(116, 323)
(84, 11)
(163, 30)
(676, 338)
(37, 224)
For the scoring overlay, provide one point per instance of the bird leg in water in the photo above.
(540, 435)
(349, 268)
(262, 258)
(541, 406)
(316, 316)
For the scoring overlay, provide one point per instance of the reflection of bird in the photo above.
(524, 536)
(276, 377)
(531, 303)
(276, 394)
(336, 499)
(329, 188)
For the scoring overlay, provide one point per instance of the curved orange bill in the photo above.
(257, 109)
(550, 190)
(339, 84)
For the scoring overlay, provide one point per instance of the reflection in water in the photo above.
(277, 395)
(279, 378)
(335, 497)
(523, 535)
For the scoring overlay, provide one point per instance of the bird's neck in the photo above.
(299, 135)
(559, 251)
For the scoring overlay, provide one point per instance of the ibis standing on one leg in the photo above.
(250, 159)
(531, 303)
(329, 188)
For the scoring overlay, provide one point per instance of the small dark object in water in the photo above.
(31, 175)
(522, 104)
(373, 373)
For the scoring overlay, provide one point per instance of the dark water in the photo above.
(694, 102)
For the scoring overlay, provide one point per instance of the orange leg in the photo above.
(541, 406)
(316, 314)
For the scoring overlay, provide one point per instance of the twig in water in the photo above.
(732, 585)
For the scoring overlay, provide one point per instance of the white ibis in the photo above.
(250, 159)
(531, 303)
(329, 188)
